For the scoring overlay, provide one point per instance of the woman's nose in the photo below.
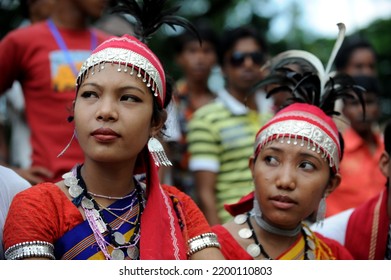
(286, 178)
(107, 110)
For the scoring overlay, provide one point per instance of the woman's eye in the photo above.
(271, 160)
(88, 94)
(307, 165)
(130, 98)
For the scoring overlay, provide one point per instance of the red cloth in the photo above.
(31, 55)
(361, 176)
(367, 230)
(161, 237)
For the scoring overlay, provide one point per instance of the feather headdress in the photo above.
(150, 15)
(131, 52)
(313, 83)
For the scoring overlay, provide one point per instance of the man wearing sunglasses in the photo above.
(221, 134)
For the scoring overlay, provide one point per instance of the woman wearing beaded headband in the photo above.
(294, 167)
(112, 206)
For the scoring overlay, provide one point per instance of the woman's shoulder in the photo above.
(44, 191)
(48, 197)
(174, 191)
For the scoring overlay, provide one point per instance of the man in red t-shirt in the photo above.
(45, 58)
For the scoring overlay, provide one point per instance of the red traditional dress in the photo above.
(45, 213)
(326, 249)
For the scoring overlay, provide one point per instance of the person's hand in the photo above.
(34, 174)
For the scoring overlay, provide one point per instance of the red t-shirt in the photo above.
(361, 177)
(32, 56)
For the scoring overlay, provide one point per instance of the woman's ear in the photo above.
(384, 164)
(251, 163)
(158, 123)
(333, 184)
(71, 116)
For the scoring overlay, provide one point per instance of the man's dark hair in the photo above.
(350, 45)
(231, 36)
(205, 31)
(370, 83)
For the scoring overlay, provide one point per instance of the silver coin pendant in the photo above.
(87, 203)
(119, 238)
(117, 254)
(253, 250)
(133, 252)
(245, 233)
(240, 219)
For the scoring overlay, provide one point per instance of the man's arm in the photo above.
(206, 192)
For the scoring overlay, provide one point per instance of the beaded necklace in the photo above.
(255, 249)
(96, 220)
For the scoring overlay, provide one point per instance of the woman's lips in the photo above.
(283, 202)
(105, 134)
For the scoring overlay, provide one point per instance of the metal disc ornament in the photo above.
(70, 181)
(253, 250)
(310, 255)
(87, 203)
(133, 252)
(245, 233)
(119, 238)
(75, 191)
(307, 231)
(240, 219)
(117, 254)
(67, 175)
(311, 244)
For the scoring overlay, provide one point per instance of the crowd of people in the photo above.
(117, 160)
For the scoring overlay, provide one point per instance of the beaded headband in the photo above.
(298, 123)
(127, 51)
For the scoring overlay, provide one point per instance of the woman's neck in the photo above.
(274, 244)
(108, 179)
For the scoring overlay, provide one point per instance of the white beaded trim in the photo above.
(202, 241)
(126, 58)
(30, 249)
(299, 131)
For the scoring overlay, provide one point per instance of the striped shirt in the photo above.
(221, 138)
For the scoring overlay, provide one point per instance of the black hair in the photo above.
(387, 137)
(347, 49)
(205, 32)
(231, 36)
(158, 111)
(370, 83)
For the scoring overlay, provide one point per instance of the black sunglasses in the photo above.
(238, 58)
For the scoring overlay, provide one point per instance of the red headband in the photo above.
(127, 51)
(307, 123)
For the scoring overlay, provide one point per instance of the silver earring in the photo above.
(157, 151)
(321, 213)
